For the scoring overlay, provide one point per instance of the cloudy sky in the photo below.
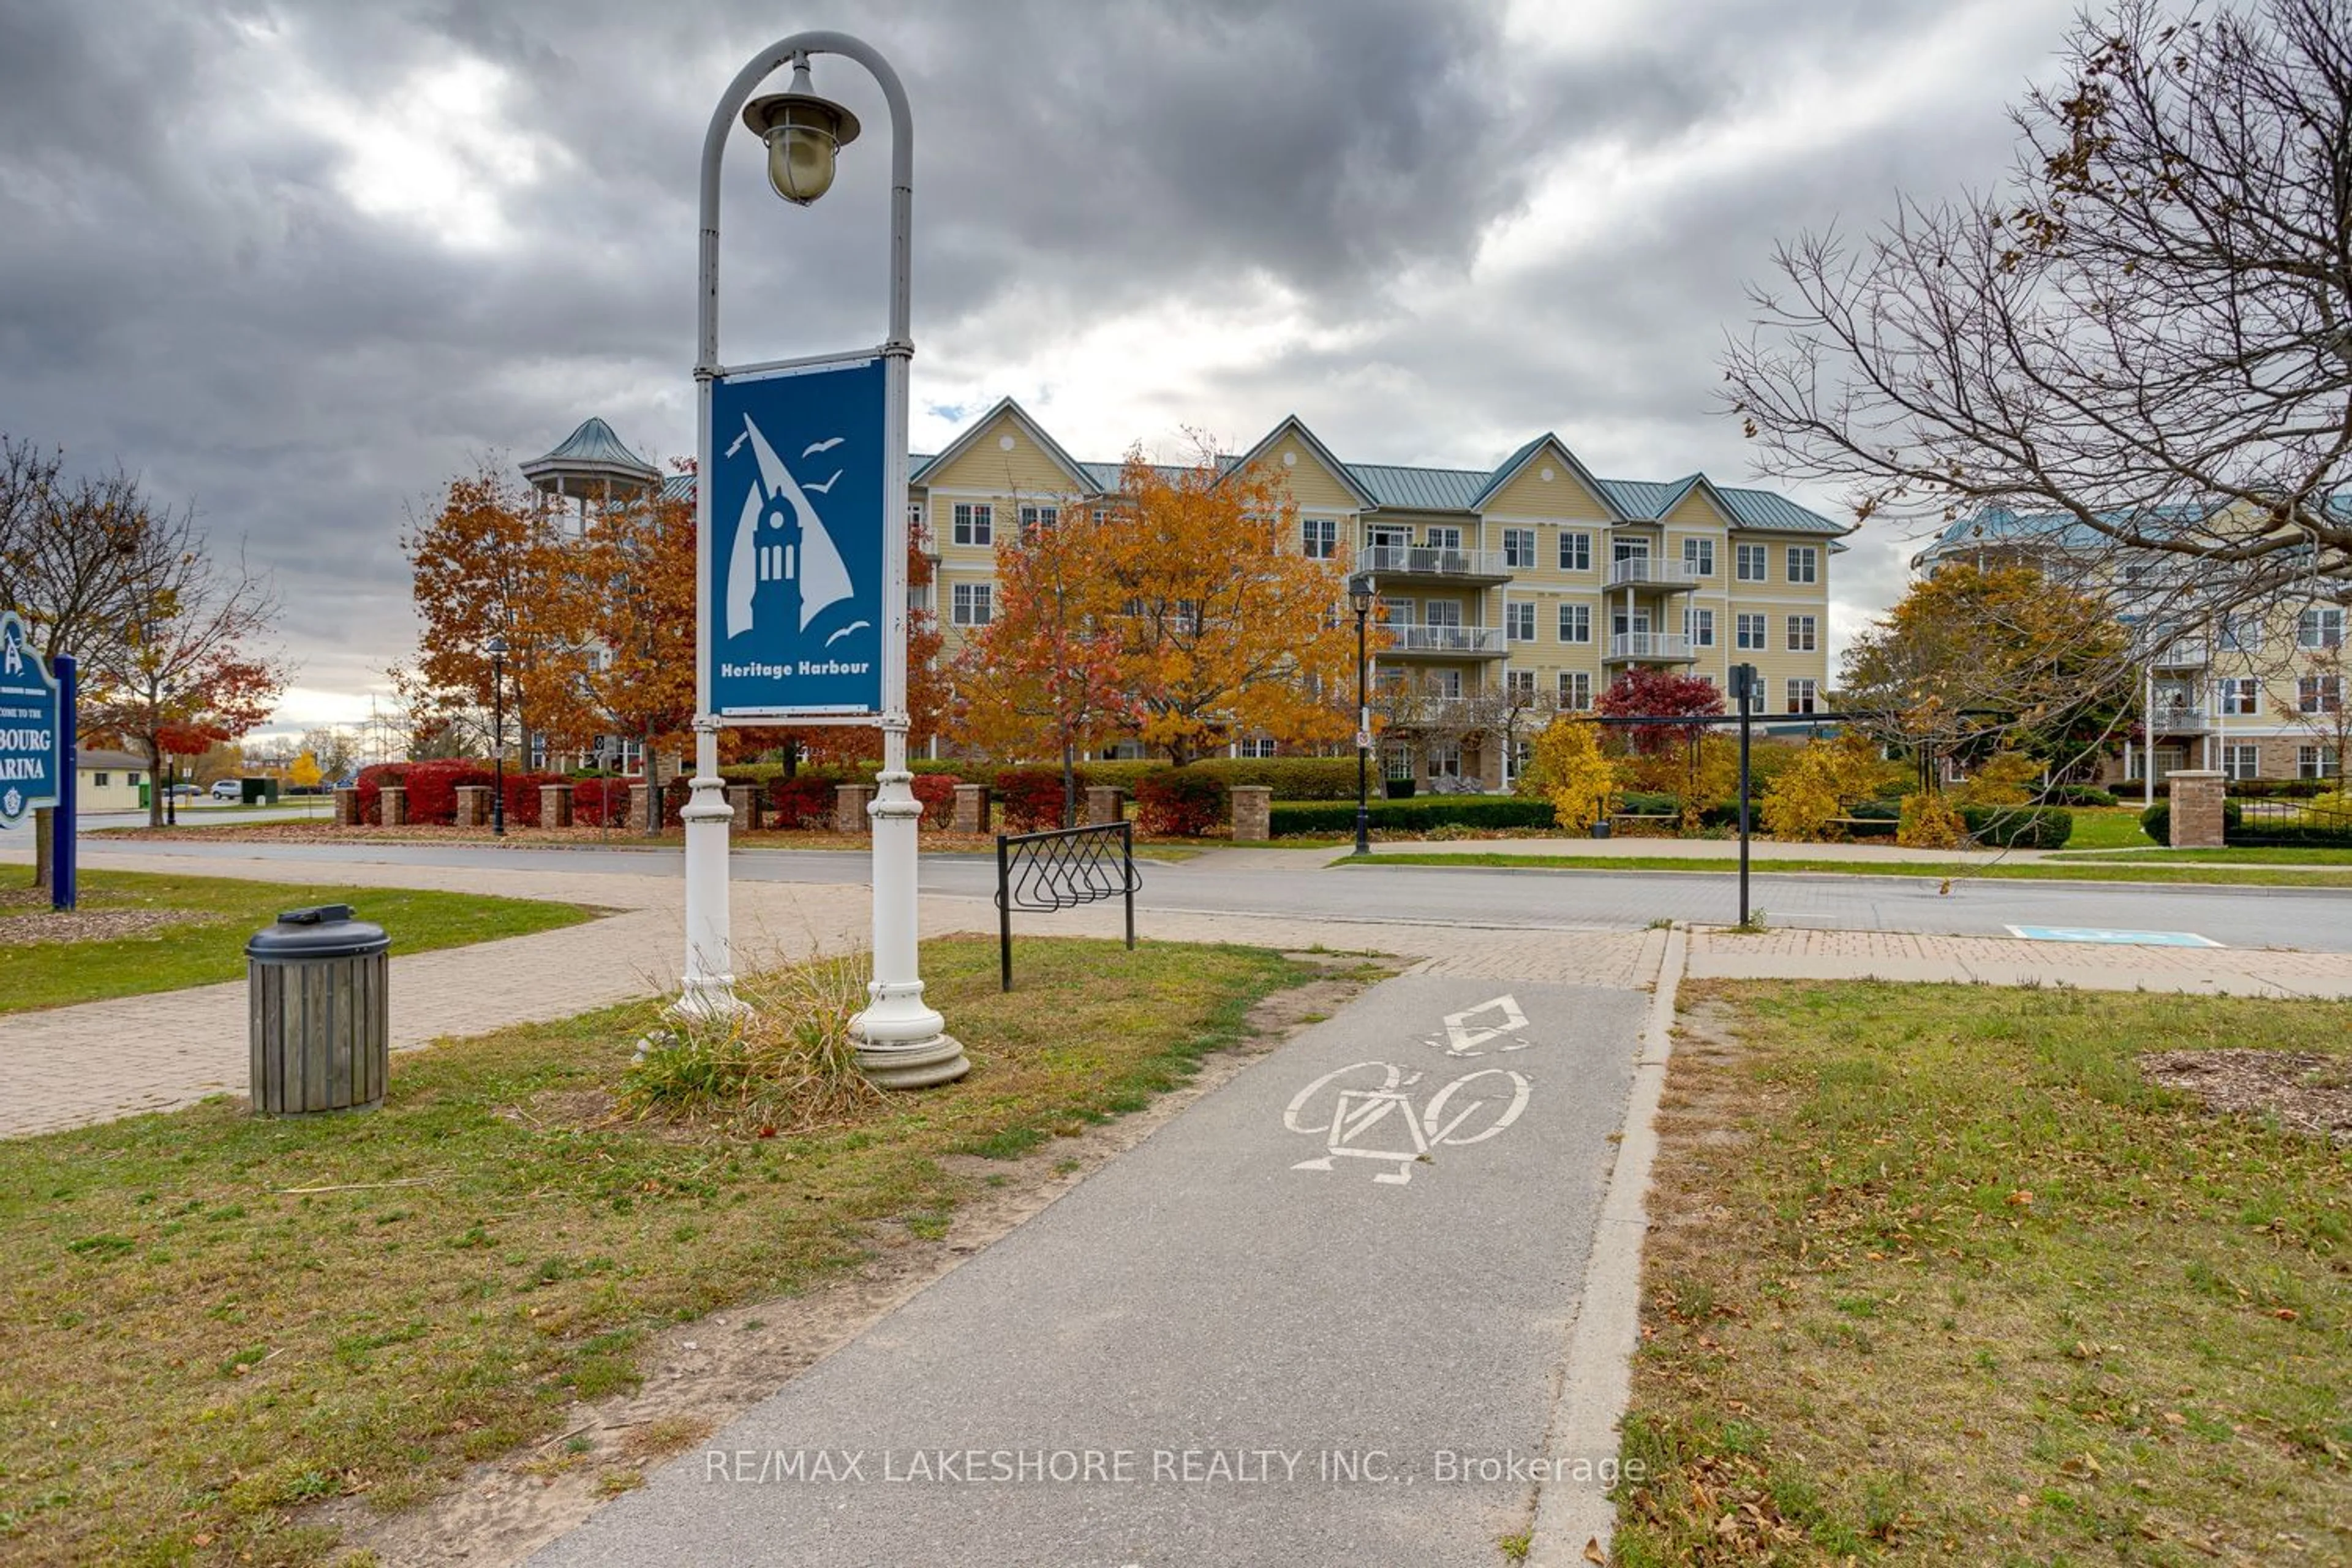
(298, 263)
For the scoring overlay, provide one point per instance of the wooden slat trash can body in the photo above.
(315, 985)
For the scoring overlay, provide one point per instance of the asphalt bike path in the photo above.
(1315, 1319)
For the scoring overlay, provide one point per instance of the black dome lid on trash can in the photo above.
(327, 931)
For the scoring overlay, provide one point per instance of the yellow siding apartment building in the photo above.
(1534, 576)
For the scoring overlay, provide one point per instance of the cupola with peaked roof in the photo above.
(592, 464)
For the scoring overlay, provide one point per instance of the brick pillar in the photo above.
(1104, 804)
(636, 818)
(849, 807)
(555, 806)
(395, 805)
(1252, 811)
(2197, 796)
(972, 808)
(347, 808)
(473, 804)
(744, 798)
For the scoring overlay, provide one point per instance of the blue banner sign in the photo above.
(796, 554)
(29, 765)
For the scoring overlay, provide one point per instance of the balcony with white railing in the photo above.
(2183, 653)
(1652, 571)
(2177, 719)
(1650, 648)
(1443, 642)
(1437, 562)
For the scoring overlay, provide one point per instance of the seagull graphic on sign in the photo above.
(781, 539)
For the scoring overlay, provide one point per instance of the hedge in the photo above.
(1032, 797)
(2020, 827)
(1290, 817)
(1182, 802)
(2078, 795)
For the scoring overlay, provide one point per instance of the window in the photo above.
(1396, 612)
(972, 602)
(2241, 762)
(130, 778)
(1575, 689)
(1804, 563)
(1519, 548)
(1441, 613)
(1800, 633)
(1802, 695)
(1575, 552)
(2241, 634)
(1396, 760)
(1750, 633)
(1321, 537)
(1520, 686)
(1633, 548)
(1698, 627)
(1445, 683)
(1519, 616)
(1255, 746)
(2315, 763)
(915, 520)
(1698, 557)
(2319, 627)
(1749, 564)
(975, 523)
(1576, 622)
(98, 779)
(1445, 760)
(2242, 696)
(1443, 538)
(2319, 694)
(1033, 517)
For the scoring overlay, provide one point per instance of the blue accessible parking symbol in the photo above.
(2120, 938)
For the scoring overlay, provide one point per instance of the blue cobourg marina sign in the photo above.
(29, 765)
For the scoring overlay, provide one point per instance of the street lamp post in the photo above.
(172, 764)
(1360, 599)
(497, 648)
(903, 1042)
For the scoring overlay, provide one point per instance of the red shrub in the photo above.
(1032, 797)
(1180, 803)
(937, 792)
(371, 781)
(804, 800)
(595, 802)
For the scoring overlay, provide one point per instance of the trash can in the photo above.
(315, 984)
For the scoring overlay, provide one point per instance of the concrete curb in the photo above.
(1574, 1518)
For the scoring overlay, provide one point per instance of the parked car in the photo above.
(184, 791)
(228, 789)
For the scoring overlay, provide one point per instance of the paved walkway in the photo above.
(67, 1067)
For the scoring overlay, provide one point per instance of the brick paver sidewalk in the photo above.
(67, 1067)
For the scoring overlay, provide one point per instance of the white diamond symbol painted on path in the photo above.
(1471, 1029)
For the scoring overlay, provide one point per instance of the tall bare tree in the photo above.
(2147, 333)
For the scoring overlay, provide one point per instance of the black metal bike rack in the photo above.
(1061, 869)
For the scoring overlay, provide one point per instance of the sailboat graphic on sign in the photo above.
(781, 539)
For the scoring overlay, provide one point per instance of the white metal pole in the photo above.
(903, 1042)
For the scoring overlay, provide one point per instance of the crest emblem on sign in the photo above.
(784, 561)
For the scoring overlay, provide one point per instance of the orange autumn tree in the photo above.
(1045, 676)
(617, 628)
(1221, 630)
(490, 563)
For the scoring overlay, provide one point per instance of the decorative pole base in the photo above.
(918, 1063)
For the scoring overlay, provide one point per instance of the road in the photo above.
(1294, 883)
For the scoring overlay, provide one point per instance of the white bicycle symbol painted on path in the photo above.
(1365, 1111)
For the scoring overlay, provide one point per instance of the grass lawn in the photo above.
(2103, 869)
(1935, 1274)
(218, 1319)
(2108, 827)
(210, 945)
(2252, 855)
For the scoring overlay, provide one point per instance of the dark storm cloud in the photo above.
(197, 279)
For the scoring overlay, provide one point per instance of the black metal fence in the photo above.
(2291, 824)
(1061, 869)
